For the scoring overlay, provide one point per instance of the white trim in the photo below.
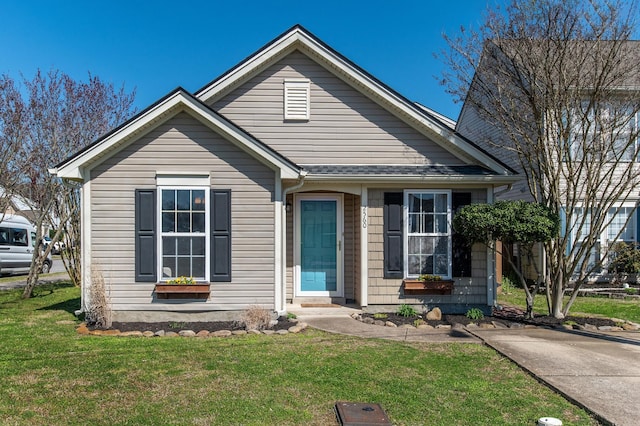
(207, 230)
(364, 249)
(279, 290)
(177, 179)
(339, 199)
(175, 103)
(405, 215)
(299, 39)
(85, 224)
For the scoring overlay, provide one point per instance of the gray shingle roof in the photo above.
(384, 170)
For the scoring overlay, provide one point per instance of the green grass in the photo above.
(50, 375)
(628, 309)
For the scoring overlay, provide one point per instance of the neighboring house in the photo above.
(294, 177)
(15, 204)
(600, 128)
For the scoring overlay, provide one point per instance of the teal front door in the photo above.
(319, 246)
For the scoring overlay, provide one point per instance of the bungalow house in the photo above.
(294, 177)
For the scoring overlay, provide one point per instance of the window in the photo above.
(621, 228)
(13, 237)
(296, 99)
(183, 219)
(605, 131)
(182, 228)
(428, 233)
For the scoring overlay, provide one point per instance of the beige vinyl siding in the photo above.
(343, 125)
(389, 291)
(182, 144)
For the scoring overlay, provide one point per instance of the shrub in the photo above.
(255, 318)
(291, 315)
(380, 315)
(474, 314)
(406, 311)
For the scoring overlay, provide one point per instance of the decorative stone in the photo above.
(628, 326)
(115, 332)
(444, 326)
(239, 332)
(434, 315)
(499, 324)
(588, 327)
(282, 332)
(605, 328)
(203, 333)
(486, 325)
(614, 328)
(529, 326)
(254, 331)
(131, 334)
(82, 329)
(221, 333)
(159, 333)
(425, 327)
(171, 334)
(295, 329)
(303, 325)
(268, 332)
(273, 323)
(379, 322)
(187, 333)
(472, 325)
(148, 333)
(390, 324)
(367, 320)
(516, 325)
(405, 326)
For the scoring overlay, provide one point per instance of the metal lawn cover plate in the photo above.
(361, 414)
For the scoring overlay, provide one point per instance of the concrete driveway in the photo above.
(598, 371)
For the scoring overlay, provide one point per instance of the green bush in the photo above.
(474, 314)
(406, 311)
(624, 258)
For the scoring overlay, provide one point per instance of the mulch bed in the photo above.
(211, 326)
(507, 314)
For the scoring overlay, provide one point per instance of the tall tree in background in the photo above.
(56, 117)
(551, 87)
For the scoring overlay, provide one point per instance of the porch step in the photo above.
(318, 301)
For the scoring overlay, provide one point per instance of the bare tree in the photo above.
(551, 88)
(62, 116)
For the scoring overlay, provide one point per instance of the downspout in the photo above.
(502, 191)
(299, 184)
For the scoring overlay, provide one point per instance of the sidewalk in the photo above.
(599, 372)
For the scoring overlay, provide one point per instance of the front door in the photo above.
(319, 247)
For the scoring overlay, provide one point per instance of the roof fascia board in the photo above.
(176, 102)
(414, 179)
(297, 36)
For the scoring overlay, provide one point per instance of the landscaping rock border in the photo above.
(82, 329)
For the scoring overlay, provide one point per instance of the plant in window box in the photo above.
(428, 284)
(182, 288)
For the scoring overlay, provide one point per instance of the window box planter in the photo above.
(419, 287)
(182, 291)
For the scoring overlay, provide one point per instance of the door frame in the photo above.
(297, 244)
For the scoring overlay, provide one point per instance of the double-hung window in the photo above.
(427, 233)
(184, 241)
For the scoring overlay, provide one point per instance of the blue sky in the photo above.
(158, 45)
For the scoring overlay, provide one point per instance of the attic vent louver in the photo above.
(296, 99)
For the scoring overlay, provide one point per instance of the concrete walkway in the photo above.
(598, 371)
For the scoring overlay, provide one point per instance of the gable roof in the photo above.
(298, 38)
(173, 103)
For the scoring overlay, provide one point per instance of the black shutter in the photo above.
(393, 240)
(221, 235)
(460, 249)
(145, 231)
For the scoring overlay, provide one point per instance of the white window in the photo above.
(621, 228)
(184, 241)
(297, 103)
(428, 233)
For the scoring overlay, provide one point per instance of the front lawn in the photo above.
(51, 375)
(627, 309)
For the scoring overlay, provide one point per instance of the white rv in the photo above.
(17, 244)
